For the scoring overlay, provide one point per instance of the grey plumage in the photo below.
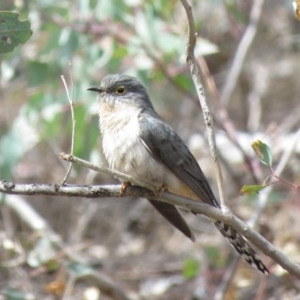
(138, 142)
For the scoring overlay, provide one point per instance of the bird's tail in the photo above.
(241, 246)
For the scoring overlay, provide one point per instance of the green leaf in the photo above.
(263, 152)
(191, 268)
(251, 189)
(12, 31)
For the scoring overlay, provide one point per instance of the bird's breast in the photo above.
(119, 136)
(125, 151)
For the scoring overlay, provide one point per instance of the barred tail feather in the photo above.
(241, 246)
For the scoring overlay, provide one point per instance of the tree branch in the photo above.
(195, 206)
(195, 72)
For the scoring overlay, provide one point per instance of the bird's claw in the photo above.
(124, 186)
(160, 189)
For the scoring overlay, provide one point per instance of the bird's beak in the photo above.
(96, 89)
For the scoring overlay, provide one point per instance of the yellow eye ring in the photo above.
(120, 90)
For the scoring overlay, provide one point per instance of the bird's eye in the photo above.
(120, 90)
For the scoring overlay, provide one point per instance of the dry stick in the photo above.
(195, 72)
(136, 191)
(242, 51)
(73, 119)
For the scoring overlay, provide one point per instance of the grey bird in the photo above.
(137, 142)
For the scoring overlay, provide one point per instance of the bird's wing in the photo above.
(167, 147)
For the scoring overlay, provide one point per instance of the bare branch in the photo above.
(195, 206)
(195, 72)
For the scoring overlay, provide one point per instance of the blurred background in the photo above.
(249, 57)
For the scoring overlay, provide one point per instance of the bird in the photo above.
(136, 141)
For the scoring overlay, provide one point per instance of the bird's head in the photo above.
(122, 89)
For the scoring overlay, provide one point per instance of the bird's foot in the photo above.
(124, 186)
(160, 189)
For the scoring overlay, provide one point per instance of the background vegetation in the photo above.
(125, 239)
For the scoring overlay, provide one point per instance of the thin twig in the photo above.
(101, 168)
(241, 52)
(195, 72)
(73, 119)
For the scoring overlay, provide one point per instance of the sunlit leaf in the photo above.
(263, 152)
(251, 189)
